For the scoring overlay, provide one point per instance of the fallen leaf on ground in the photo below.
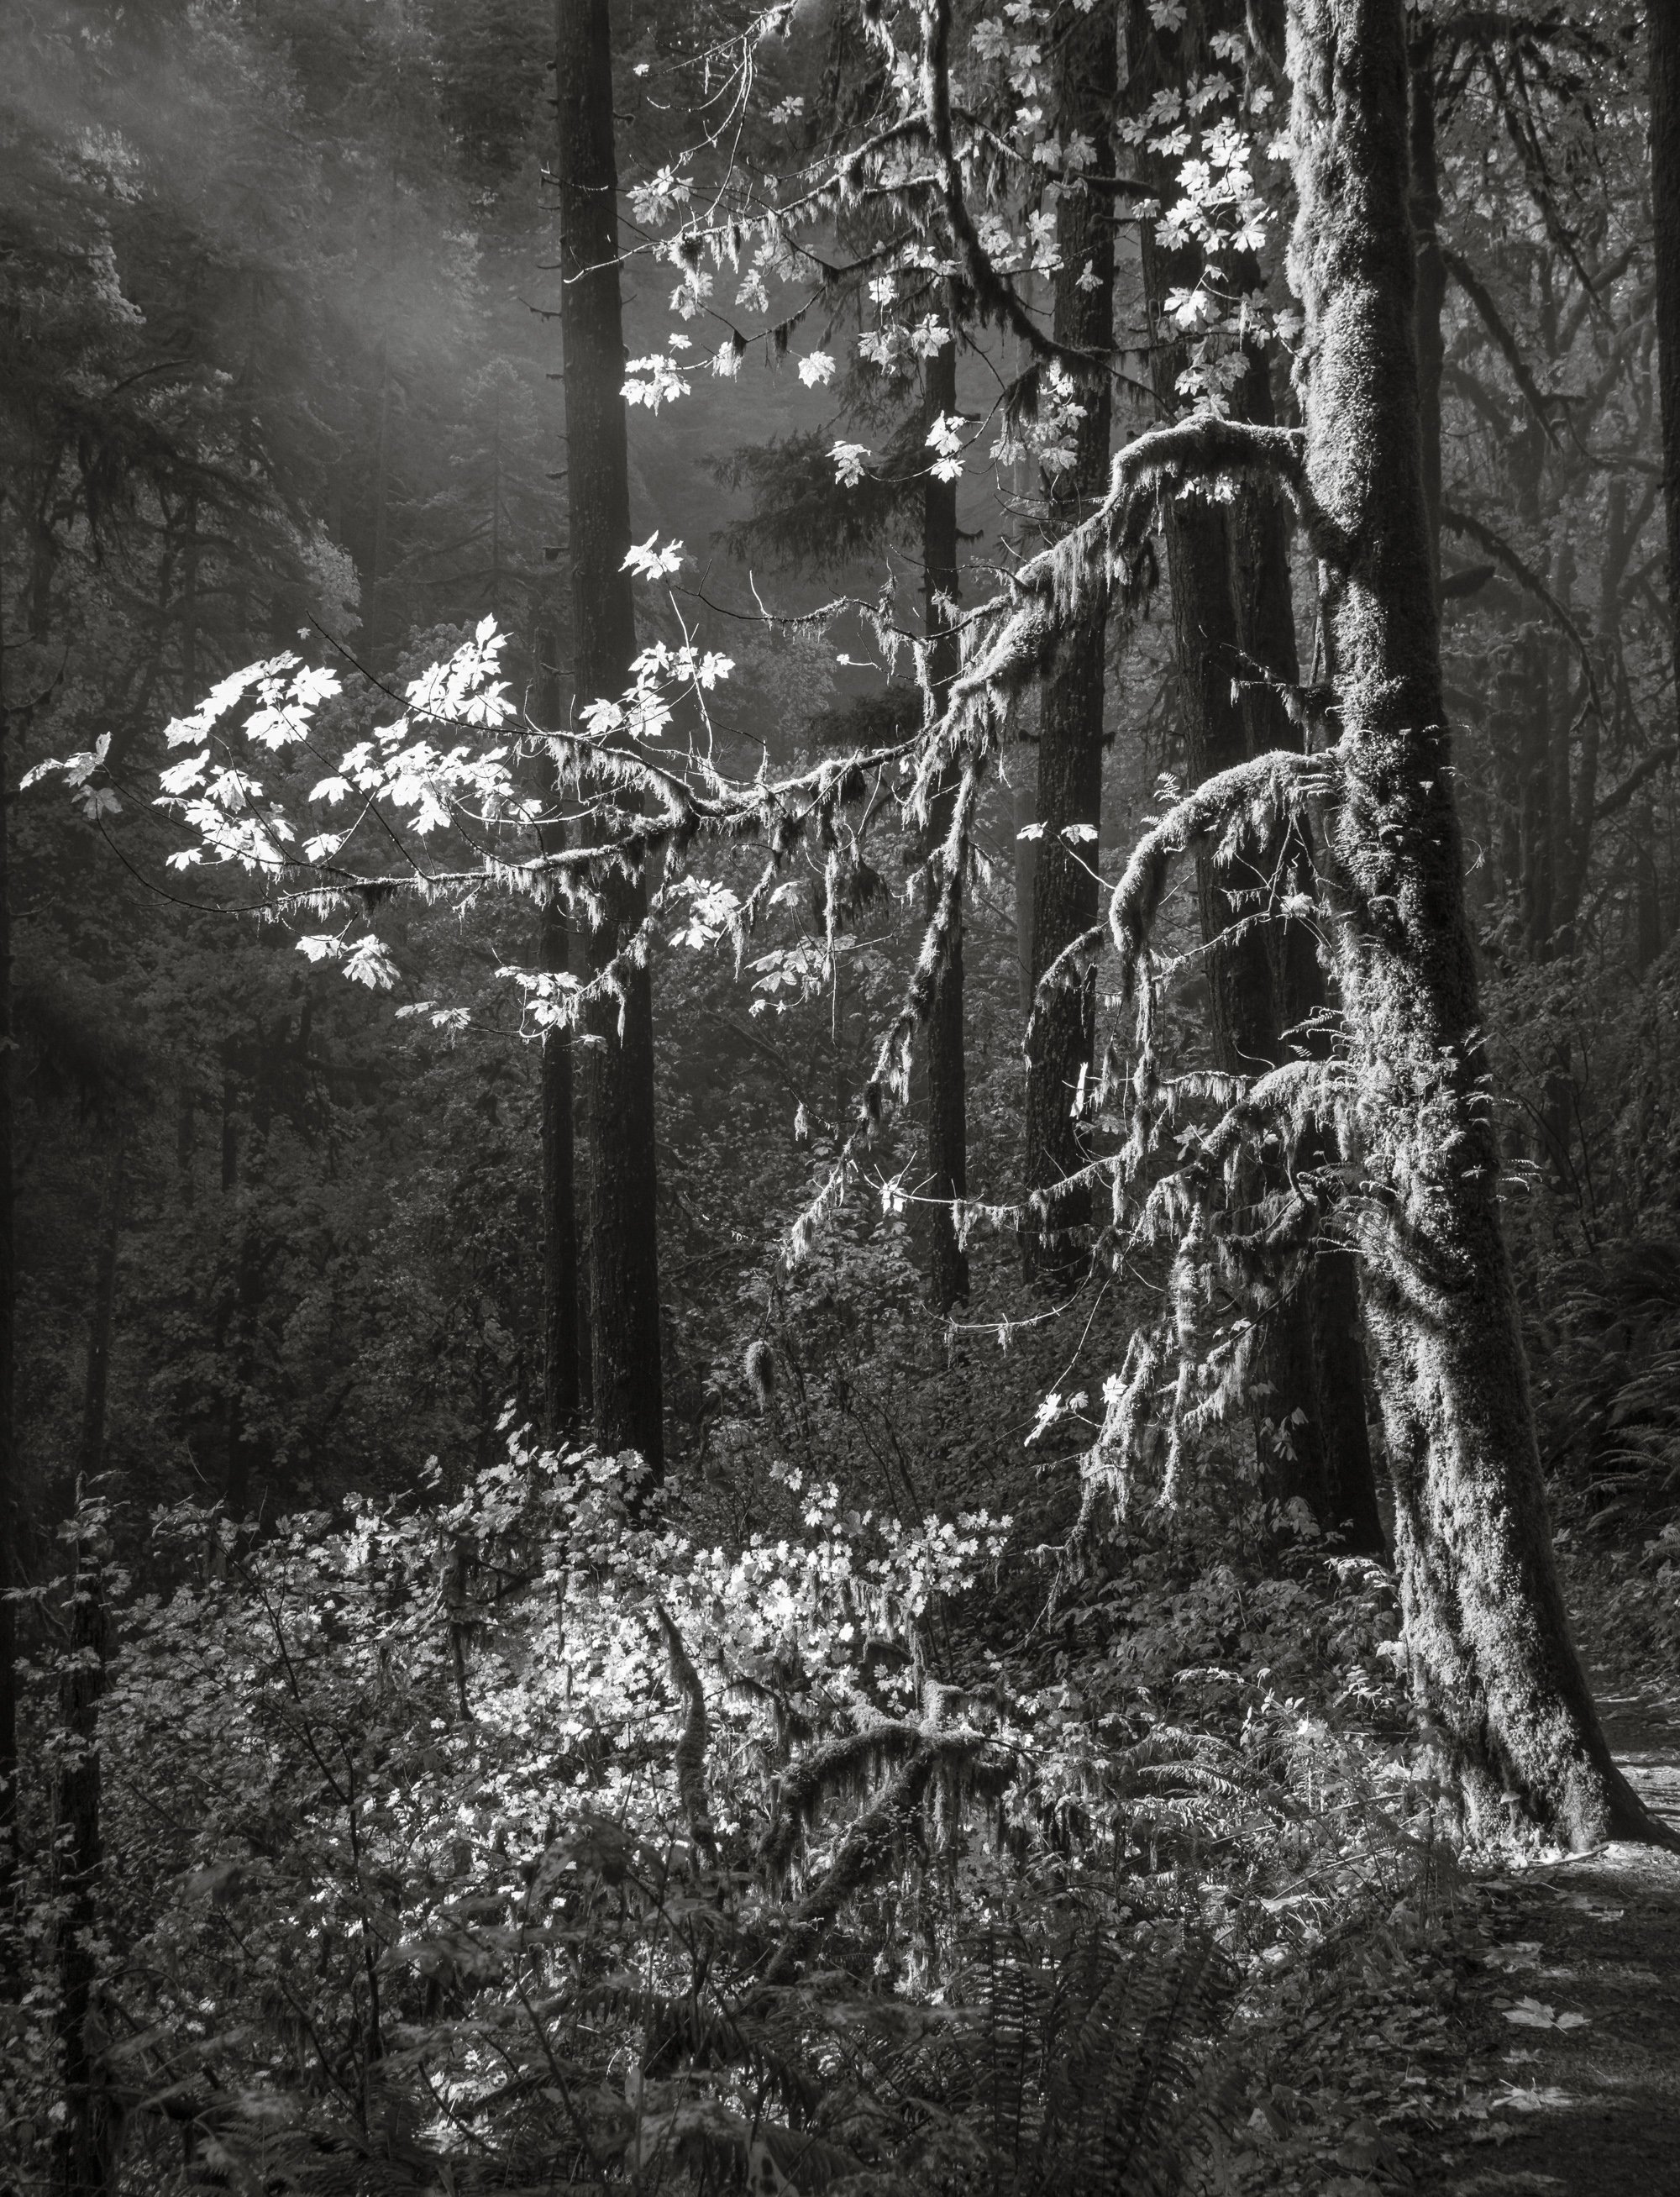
(1539, 2099)
(1531, 2014)
(1584, 1903)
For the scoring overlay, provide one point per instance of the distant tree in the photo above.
(1085, 65)
(1663, 32)
(618, 1057)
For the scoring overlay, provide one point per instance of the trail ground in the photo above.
(1575, 2006)
(1509, 2033)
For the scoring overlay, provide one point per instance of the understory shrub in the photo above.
(517, 1837)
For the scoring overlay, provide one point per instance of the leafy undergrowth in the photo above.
(523, 1838)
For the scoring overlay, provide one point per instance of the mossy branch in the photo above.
(691, 1747)
(870, 1844)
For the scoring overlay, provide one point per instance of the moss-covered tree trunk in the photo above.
(1494, 1669)
(1065, 887)
(618, 1066)
(942, 1032)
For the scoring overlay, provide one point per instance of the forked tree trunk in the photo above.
(619, 1067)
(1492, 1663)
(942, 1032)
(1065, 887)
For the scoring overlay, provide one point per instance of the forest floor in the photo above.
(1520, 2040)
(1588, 1952)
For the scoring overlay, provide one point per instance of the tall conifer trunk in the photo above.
(10, 1570)
(1065, 887)
(619, 1067)
(947, 1095)
(1495, 1671)
(1663, 21)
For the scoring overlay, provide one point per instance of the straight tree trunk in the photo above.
(618, 1073)
(1228, 567)
(1663, 22)
(948, 1097)
(237, 1332)
(1495, 1674)
(1065, 886)
(102, 1322)
(11, 1574)
(561, 1391)
(1426, 213)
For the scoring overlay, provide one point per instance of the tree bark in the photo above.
(618, 1073)
(11, 1574)
(1065, 887)
(1495, 1674)
(942, 1032)
(561, 1391)
(83, 2161)
(102, 1322)
(1663, 23)
(236, 1328)
(1426, 213)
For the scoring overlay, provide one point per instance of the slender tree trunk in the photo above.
(11, 1571)
(618, 1075)
(102, 1321)
(1663, 22)
(1024, 811)
(239, 1452)
(1648, 933)
(1065, 886)
(561, 1396)
(947, 1096)
(376, 620)
(1426, 213)
(1495, 1671)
